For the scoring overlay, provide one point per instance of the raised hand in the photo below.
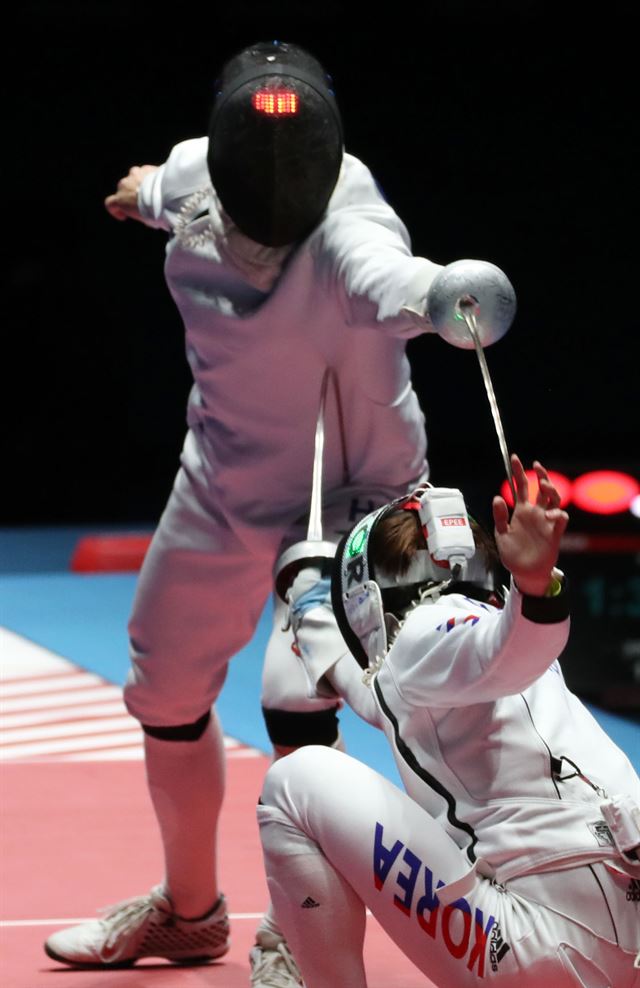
(529, 542)
(123, 204)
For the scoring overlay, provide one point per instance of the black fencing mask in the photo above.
(275, 142)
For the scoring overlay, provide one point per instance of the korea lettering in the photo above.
(462, 928)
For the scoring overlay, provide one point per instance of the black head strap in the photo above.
(353, 642)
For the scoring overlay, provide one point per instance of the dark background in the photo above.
(502, 134)
(504, 131)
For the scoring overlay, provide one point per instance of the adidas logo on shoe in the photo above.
(309, 903)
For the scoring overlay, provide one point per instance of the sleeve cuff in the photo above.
(547, 610)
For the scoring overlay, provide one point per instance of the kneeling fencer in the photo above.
(514, 855)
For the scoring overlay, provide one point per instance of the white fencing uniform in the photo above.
(262, 325)
(493, 865)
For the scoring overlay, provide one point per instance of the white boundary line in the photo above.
(5, 923)
(17, 923)
(46, 713)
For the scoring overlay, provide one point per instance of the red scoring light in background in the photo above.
(604, 492)
(600, 492)
(561, 483)
(275, 102)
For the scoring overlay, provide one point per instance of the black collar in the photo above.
(396, 600)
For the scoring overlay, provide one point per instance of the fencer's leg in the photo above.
(325, 814)
(198, 600)
(186, 783)
(292, 720)
(328, 943)
(337, 838)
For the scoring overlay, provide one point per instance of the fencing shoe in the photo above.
(145, 926)
(274, 967)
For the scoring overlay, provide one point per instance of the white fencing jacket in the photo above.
(482, 726)
(262, 324)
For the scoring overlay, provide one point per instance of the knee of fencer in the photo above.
(274, 782)
(282, 835)
(289, 778)
(179, 732)
(297, 728)
(153, 694)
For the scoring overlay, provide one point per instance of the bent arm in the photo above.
(154, 194)
(162, 193)
(329, 668)
(459, 652)
(363, 248)
(346, 677)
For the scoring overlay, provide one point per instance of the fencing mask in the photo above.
(275, 142)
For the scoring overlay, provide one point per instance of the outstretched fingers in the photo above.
(559, 520)
(520, 481)
(548, 496)
(500, 515)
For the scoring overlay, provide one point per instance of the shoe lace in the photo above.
(276, 968)
(124, 918)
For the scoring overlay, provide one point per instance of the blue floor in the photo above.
(84, 617)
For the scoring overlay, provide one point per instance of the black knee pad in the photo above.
(182, 732)
(294, 728)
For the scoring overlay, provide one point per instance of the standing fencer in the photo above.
(284, 260)
(514, 855)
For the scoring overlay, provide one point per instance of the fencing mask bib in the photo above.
(275, 142)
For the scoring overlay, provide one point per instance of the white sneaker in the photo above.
(274, 968)
(145, 926)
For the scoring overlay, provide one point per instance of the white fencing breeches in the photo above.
(339, 838)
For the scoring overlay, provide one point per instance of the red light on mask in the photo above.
(561, 483)
(275, 102)
(604, 492)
